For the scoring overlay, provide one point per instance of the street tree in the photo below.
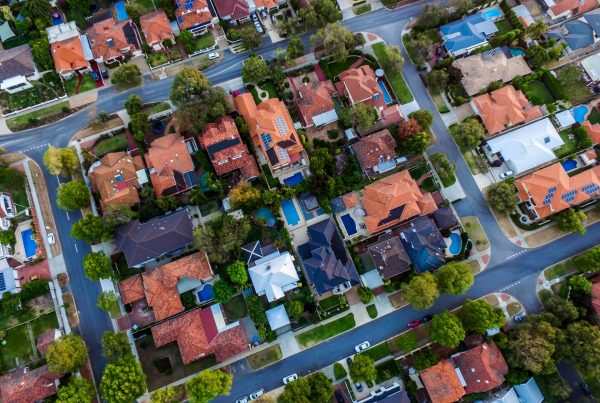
(126, 76)
(423, 116)
(362, 368)
(319, 13)
(392, 60)
(478, 316)
(134, 104)
(532, 345)
(365, 116)
(255, 70)
(208, 385)
(588, 261)
(582, 347)
(571, 220)
(418, 143)
(454, 278)
(66, 354)
(118, 214)
(419, 48)
(501, 196)
(436, 80)
(140, 124)
(222, 291)
(431, 16)
(295, 49)
(165, 395)
(579, 285)
(72, 195)
(408, 128)
(564, 310)
(91, 228)
(237, 273)
(469, 133)
(78, 390)
(123, 380)
(421, 291)
(115, 345)
(537, 55)
(366, 294)
(60, 161)
(244, 195)
(97, 265)
(108, 301)
(251, 39)
(297, 391)
(320, 386)
(446, 329)
(337, 41)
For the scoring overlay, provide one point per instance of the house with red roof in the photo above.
(483, 368)
(315, 103)
(442, 383)
(7, 210)
(112, 41)
(195, 16)
(593, 131)
(70, 50)
(235, 11)
(28, 385)
(376, 152)
(595, 298)
(568, 8)
(157, 29)
(46, 339)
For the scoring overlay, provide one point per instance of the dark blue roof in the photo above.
(424, 244)
(580, 34)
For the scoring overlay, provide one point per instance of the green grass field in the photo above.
(327, 331)
(21, 122)
(265, 357)
(396, 79)
(110, 144)
(538, 94)
(87, 84)
(378, 352)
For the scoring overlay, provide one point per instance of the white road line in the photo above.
(76, 250)
(58, 180)
(60, 128)
(222, 71)
(67, 213)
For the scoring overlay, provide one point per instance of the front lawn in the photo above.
(333, 69)
(386, 370)
(204, 41)
(396, 79)
(558, 270)
(444, 169)
(327, 331)
(175, 53)
(571, 78)
(156, 59)
(537, 93)
(235, 308)
(110, 144)
(87, 84)
(36, 95)
(570, 145)
(476, 233)
(378, 352)
(155, 108)
(39, 117)
(330, 302)
(265, 357)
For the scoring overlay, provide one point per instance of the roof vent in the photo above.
(111, 42)
(472, 369)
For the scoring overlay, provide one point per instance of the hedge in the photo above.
(554, 86)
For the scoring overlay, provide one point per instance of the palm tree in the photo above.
(288, 192)
(197, 196)
(37, 8)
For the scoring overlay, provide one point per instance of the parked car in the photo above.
(257, 394)
(95, 75)
(362, 346)
(258, 27)
(358, 387)
(104, 73)
(414, 323)
(339, 396)
(349, 361)
(520, 316)
(51, 239)
(290, 378)
(426, 318)
(254, 17)
(585, 389)
(263, 14)
(242, 400)
(506, 174)
(212, 56)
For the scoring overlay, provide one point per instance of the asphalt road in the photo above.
(574, 380)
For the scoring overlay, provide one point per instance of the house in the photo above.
(157, 29)
(528, 392)
(267, 5)
(8, 278)
(46, 339)
(526, 147)
(112, 41)
(483, 368)
(593, 130)
(389, 256)
(326, 261)
(70, 50)
(523, 14)
(376, 152)
(256, 250)
(443, 383)
(424, 244)
(568, 8)
(579, 33)
(550, 190)
(117, 177)
(144, 242)
(278, 319)
(235, 11)
(315, 104)
(482, 69)
(274, 275)
(7, 210)
(272, 131)
(170, 165)
(465, 35)
(194, 15)
(17, 69)
(503, 108)
(226, 150)
(595, 300)
(591, 65)
(202, 332)
(445, 219)
(28, 385)
(394, 199)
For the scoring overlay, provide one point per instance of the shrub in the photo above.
(554, 86)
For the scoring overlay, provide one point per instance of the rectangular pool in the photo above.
(386, 94)
(349, 224)
(289, 211)
(28, 243)
(121, 11)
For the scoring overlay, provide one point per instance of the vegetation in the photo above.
(337, 41)
(73, 195)
(406, 342)
(92, 228)
(588, 261)
(222, 291)
(571, 220)
(251, 39)
(255, 70)
(221, 238)
(126, 76)
(444, 169)
(97, 265)
(454, 278)
(425, 358)
(78, 390)
(237, 274)
(265, 357)
(339, 371)
(108, 302)
(421, 291)
(115, 345)
(313, 388)
(446, 329)
(208, 385)
(60, 161)
(501, 196)
(392, 62)
(478, 316)
(362, 368)
(469, 133)
(326, 331)
(123, 380)
(319, 13)
(366, 294)
(66, 354)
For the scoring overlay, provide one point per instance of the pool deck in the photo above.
(449, 242)
(19, 252)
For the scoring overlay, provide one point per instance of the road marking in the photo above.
(35, 147)
(58, 180)
(150, 92)
(516, 254)
(76, 250)
(67, 213)
(222, 71)
(510, 286)
(60, 128)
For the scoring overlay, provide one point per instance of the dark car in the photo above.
(339, 396)
(585, 389)
(426, 318)
(104, 73)
(358, 387)
(413, 324)
(349, 361)
(95, 76)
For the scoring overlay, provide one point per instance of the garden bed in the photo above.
(372, 311)
(265, 357)
(444, 169)
(324, 332)
(110, 144)
(36, 95)
(40, 117)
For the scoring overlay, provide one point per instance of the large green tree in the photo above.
(221, 238)
(78, 390)
(392, 60)
(421, 291)
(126, 76)
(454, 278)
(295, 49)
(255, 70)
(337, 41)
(251, 39)
(222, 291)
(237, 273)
(469, 133)
(418, 143)
(73, 195)
(140, 125)
(115, 345)
(91, 228)
(564, 310)
(60, 161)
(66, 354)
(436, 80)
(134, 104)
(537, 55)
(37, 9)
(431, 16)
(365, 116)
(40, 48)
(165, 395)
(446, 329)
(208, 385)
(97, 265)
(123, 380)
(588, 261)
(579, 285)
(478, 316)
(582, 347)
(532, 345)
(419, 48)
(313, 388)
(501, 196)
(571, 220)
(320, 13)
(423, 116)
(108, 301)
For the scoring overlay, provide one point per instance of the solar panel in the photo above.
(2, 283)
(180, 19)
(281, 125)
(552, 189)
(546, 202)
(266, 139)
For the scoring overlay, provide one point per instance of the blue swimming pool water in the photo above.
(294, 179)
(206, 293)
(386, 94)
(290, 212)
(579, 113)
(349, 224)
(28, 243)
(121, 12)
(265, 212)
(569, 165)
(57, 20)
(516, 52)
(455, 244)
(492, 13)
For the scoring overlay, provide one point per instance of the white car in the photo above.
(506, 174)
(51, 239)
(242, 400)
(290, 378)
(257, 394)
(520, 316)
(212, 56)
(362, 346)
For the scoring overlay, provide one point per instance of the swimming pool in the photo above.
(28, 243)
(456, 243)
(265, 212)
(492, 13)
(56, 19)
(386, 94)
(569, 165)
(206, 293)
(294, 179)
(349, 224)
(516, 52)
(121, 11)
(290, 212)
(579, 113)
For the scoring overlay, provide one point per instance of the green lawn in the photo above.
(537, 93)
(43, 323)
(110, 144)
(269, 88)
(444, 169)
(175, 53)
(22, 122)
(594, 116)
(327, 331)
(386, 370)
(19, 196)
(155, 108)
(396, 79)
(332, 69)
(235, 308)
(569, 147)
(372, 311)
(476, 233)
(573, 84)
(17, 345)
(330, 302)
(265, 357)
(87, 84)
(556, 271)
(157, 59)
(205, 41)
(143, 6)
(503, 26)
(378, 352)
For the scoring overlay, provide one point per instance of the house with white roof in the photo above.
(591, 65)
(7, 210)
(8, 278)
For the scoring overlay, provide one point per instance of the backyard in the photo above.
(503, 26)
(235, 308)
(143, 6)
(324, 332)
(574, 86)
(39, 117)
(537, 93)
(110, 144)
(428, 184)
(594, 116)
(570, 145)
(395, 78)
(87, 84)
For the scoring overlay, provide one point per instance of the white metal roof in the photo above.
(277, 317)
(591, 65)
(275, 276)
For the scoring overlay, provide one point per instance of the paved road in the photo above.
(574, 380)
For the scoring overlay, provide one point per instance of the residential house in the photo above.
(7, 210)
(424, 244)
(235, 11)
(256, 250)
(568, 8)
(591, 65)
(202, 332)
(112, 41)
(394, 199)
(157, 29)
(274, 274)
(550, 190)
(147, 241)
(278, 319)
(117, 177)
(528, 392)
(28, 385)
(170, 165)
(326, 261)
(315, 104)
(195, 16)
(70, 50)
(483, 368)
(443, 383)
(445, 219)
(272, 131)
(9, 278)
(465, 35)
(267, 5)
(376, 152)
(593, 131)
(226, 150)
(17, 69)
(503, 108)
(482, 69)
(526, 147)
(389, 256)
(523, 14)
(46, 339)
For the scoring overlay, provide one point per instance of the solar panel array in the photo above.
(2, 283)
(180, 19)
(267, 140)
(569, 196)
(282, 154)
(549, 196)
(187, 4)
(591, 188)
(281, 125)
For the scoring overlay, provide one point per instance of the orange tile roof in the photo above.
(26, 386)
(373, 149)
(593, 131)
(360, 85)
(116, 179)
(595, 293)
(315, 99)
(553, 180)
(68, 55)
(166, 156)
(198, 15)
(391, 115)
(350, 200)
(108, 40)
(442, 383)
(226, 149)
(394, 199)
(156, 27)
(483, 368)
(505, 107)
(575, 6)
(132, 289)
(268, 4)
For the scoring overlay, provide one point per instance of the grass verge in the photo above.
(38, 117)
(327, 331)
(378, 352)
(473, 228)
(395, 78)
(265, 357)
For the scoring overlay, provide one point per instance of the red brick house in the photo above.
(26, 386)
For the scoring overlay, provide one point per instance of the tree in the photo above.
(34, 289)
(66, 354)
(255, 70)
(564, 310)
(391, 59)
(295, 309)
(36, 9)
(362, 368)
(126, 76)
(208, 385)
(97, 265)
(320, 386)
(271, 197)
(469, 133)
(319, 13)
(140, 126)
(118, 214)
(478, 316)
(8, 238)
(115, 345)
(536, 29)
(365, 116)
(421, 291)
(244, 195)
(436, 80)
(423, 116)
(425, 358)
(297, 391)
(589, 261)
(166, 395)
(418, 143)
(79, 9)
(582, 347)
(40, 48)
(557, 387)
(571, 220)
(60, 161)
(454, 278)
(446, 329)
(582, 138)
(123, 380)
(167, 203)
(366, 294)
(221, 238)
(537, 55)
(295, 49)
(408, 128)
(501, 196)
(78, 390)
(91, 228)
(222, 291)
(337, 41)
(251, 39)
(186, 38)
(419, 48)
(580, 285)
(72, 195)
(108, 301)
(237, 273)
(530, 351)
(134, 104)
(431, 16)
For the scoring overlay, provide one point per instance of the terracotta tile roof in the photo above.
(226, 149)
(21, 386)
(116, 179)
(394, 199)
(360, 85)
(108, 39)
(132, 289)
(234, 9)
(391, 115)
(166, 157)
(503, 108)
(45, 339)
(442, 383)
(315, 99)
(68, 55)
(156, 27)
(483, 368)
(595, 293)
(271, 128)
(350, 200)
(593, 131)
(268, 4)
(575, 6)
(551, 189)
(199, 14)
(375, 149)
